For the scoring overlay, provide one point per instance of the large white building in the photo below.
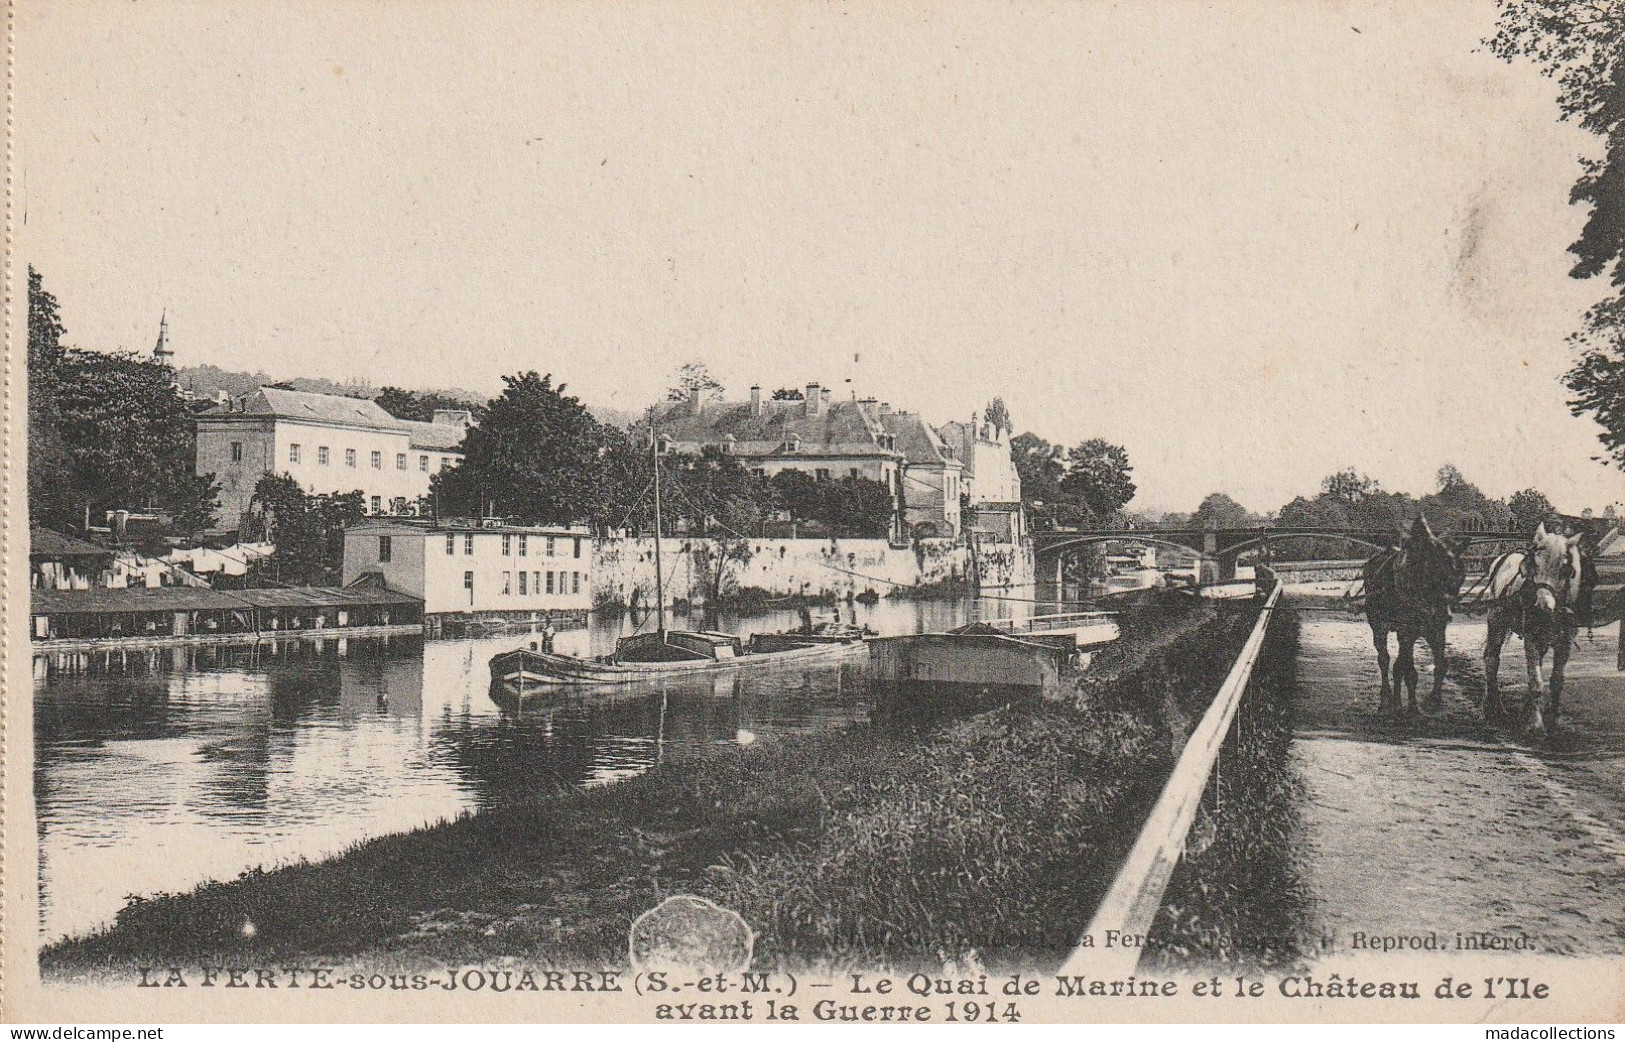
(326, 442)
(474, 569)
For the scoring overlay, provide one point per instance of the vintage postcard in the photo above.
(801, 512)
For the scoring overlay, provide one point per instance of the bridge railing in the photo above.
(1135, 895)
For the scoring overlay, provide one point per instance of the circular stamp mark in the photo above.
(691, 934)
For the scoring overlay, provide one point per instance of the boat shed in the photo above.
(180, 611)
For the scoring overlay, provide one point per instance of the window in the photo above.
(523, 540)
(236, 452)
(550, 546)
(383, 549)
(507, 545)
(445, 461)
(759, 472)
(575, 582)
(507, 583)
(536, 581)
(823, 473)
(321, 455)
(468, 544)
(400, 461)
(423, 464)
(349, 457)
(377, 504)
(451, 542)
(293, 453)
(578, 546)
(524, 588)
(377, 460)
(468, 580)
(549, 582)
(853, 473)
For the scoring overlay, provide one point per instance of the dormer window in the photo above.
(664, 445)
(728, 444)
(792, 444)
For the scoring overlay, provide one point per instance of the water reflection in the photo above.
(161, 768)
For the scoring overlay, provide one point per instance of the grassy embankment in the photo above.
(996, 834)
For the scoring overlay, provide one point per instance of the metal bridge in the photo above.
(1220, 548)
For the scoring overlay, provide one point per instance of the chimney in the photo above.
(885, 408)
(815, 400)
(826, 394)
(756, 399)
(694, 400)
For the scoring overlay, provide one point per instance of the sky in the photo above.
(1252, 242)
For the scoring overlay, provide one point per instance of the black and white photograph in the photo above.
(815, 513)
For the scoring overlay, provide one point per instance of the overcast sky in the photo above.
(1253, 243)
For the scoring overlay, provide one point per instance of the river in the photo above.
(160, 769)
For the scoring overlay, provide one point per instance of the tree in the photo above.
(1348, 487)
(1041, 467)
(1528, 509)
(539, 457)
(308, 530)
(1458, 505)
(694, 378)
(1220, 511)
(857, 507)
(788, 394)
(421, 405)
(1581, 45)
(998, 415)
(1098, 477)
(49, 497)
(107, 431)
(798, 494)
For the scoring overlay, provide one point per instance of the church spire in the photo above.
(161, 352)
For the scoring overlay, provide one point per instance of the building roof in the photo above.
(309, 406)
(442, 437)
(338, 410)
(386, 526)
(46, 545)
(916, 440)
(840, 428)
(188, 598)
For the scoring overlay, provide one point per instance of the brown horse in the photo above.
(1534, 593)
(1410, 591)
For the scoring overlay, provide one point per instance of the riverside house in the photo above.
(475, 571)
(329, 444)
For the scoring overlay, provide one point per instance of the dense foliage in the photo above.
(1581, 45)
(1088, 483)
(308, 531)
(106, 432)
(421, 405)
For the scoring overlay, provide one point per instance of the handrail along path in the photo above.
(1135, 895)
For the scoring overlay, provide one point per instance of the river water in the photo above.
(160, 769)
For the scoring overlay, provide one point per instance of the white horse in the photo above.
(1533, 593)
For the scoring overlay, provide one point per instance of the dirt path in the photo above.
(1438, 824)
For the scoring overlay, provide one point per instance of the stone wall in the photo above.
(822, 568)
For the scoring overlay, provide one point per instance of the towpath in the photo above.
(1438, 824)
